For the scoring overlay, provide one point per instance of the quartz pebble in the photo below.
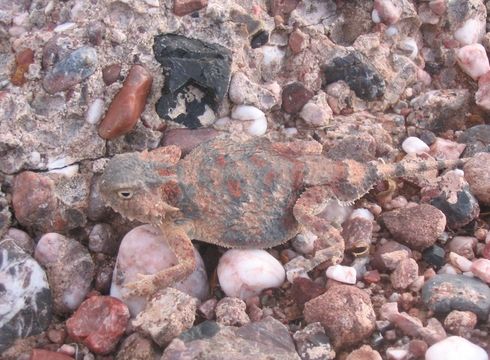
(245, 273)
(473, 60)
(413, 145)
(69, 267)
(316, 112)
(99, 323)
(256, 118)
(95, 112)
(455, 348)
(167, 315)
(359, 319)
(344, 274)
(470, 32)
(128, 104)
(144, 250)
(73, 69)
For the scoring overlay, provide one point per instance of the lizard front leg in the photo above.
(306, 210)
(181, 245)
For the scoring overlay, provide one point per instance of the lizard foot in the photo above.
(144, 286)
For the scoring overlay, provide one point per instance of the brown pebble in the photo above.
(298, 41)
(405, 273)
(477, 173)
(372, 276)
(184, 7)
(127, 105)
(111, 73)
(365, 352)
(23, 59)
(304, 290)
(417, 348)
(294, 97)
(41, 354)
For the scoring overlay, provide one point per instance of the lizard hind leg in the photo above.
(306, 211)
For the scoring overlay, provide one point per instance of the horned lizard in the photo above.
(255, 194)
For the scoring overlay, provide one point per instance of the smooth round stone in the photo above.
(455, 348)
(144, 250)
(344, 274)
(245, 273)
(413, 145)
(445, 292)
(25, 301)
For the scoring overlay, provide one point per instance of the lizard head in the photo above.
(136, 185)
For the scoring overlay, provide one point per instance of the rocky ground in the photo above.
(81, 81)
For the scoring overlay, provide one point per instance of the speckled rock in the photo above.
(167, 315)
(99, 323)
(365, 352)
(477, 173)
(70, 270)
(144, 250)
(294, 97)
(231, 311)
(26, 299)
(477, 139)
(137, 347)
(418, 227)
(358, 73)
(313, 344)
(184, 7)
(128, 104)
(245, 91)
(460, 322)
(71, 70)
(406, 272)
(445, 292)
(266, 339)
(349, 303)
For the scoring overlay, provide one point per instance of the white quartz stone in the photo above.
(95, 111)
(473, 60)
(455, 348)
(413, 145)
(470, 32)
(345, 274)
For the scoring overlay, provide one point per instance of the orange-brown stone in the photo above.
(23, 59)
(127, 105)
(184, 7)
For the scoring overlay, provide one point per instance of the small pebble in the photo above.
(111, 73)
(434, 256)
(344, 274)
(481, 268)
(396, 354)
(470, 32)
(95, 112)
(455, 348)
(460, 322)
(137, 347)
(365, 352)
(245, 273)
(477, 173)
(23, 59)
(294, 97)
(128, 104)
(405, 274)
(386, 12)
(259, 39)
(413, 145)
(460, 262)
(231, 312)
(473, 60)
(257, 119)
(446, 150)
(463, 245)
(313, 344)
(41, 354)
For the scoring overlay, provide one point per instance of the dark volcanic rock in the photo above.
(446, 292)
(358, 73)
(477, 139)
(461, 212)
(197, 74)
(266, 339)
(25, 295)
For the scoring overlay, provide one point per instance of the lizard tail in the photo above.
(408, 167)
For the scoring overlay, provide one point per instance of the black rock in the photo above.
(196, 74)
(266, 339)
(358, 73)
(259, 39)
(458, 213)
(477, 139)
(434, 256)
(446, 292)
(24, 293)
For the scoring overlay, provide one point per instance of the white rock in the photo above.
(362, 213)
(396, 354)
(245, 273)
(95, 111)
(272, 60)
(59, 163)
(246, 112)
(317, 112)
(345, 274)
(35, 158)
(473, 60)
(258, 127)
(409, 45)
(470, 32)
(144, 250)
(68, 171)
(65, 27)
(460, 262)
(413, 145)
(154, 3)
(455, 348)
(375, 16)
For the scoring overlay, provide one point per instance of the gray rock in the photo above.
(446, 292)
(4, 214)
(313, 344)
(266, 339)
(477, 139)
(25, 296)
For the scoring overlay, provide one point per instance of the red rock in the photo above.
(298, 40)
(372, 276)
(127, 105)
(23, 59)
(303, 290)
(99, 323)
(486, 251)
(188, 139)
(481, 268)
(184, 7)
(294, 97)
(40, 354)
(417, 348)
(283, 7)
(111, 73)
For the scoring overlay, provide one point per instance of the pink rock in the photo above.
(188, 139)
(387, 12)
(473, 60)
(99, 323)
(184, 7)
(482, 96)
(40, 354)
(463, 245)
(298, 41)
(460, 322)
(481, 268)
(443, 149)
(405, 273)
(372, 276)
(477, 173)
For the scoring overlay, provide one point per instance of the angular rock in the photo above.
(477, 139)
(477, 173)
(418, 227)
(303, 290)
(231, 312)
(444, 293)
(266, 339)
(405, 274)
(389, 254)
(167, 315)
(128, 104)
(26, 299)
(313, 344)
(316, 112)
(70, 270)
(358, 73)
(198, 75)
(294, 97)
(348, 303)
(23, 59)
(184, 7)
(245, 91)
(99, 323)
(473, 60)
(71, 70)
(283, 7)
(137, 347)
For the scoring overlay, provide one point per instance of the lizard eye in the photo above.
(125, 194)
